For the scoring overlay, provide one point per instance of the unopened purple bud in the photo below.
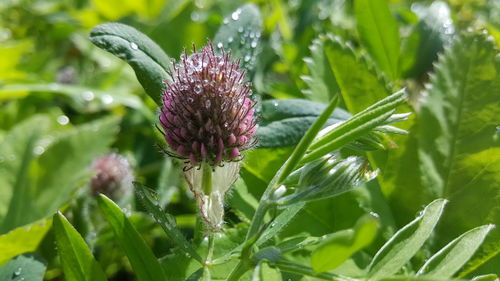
(113, 176)
(207, 115)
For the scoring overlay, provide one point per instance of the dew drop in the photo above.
(190, 100)
(18, 271)
(38, 150)
(208, 103)
(247, 58)
(107, 99)
(253, 44)
(220, 45)
(197, 89)
(236, 14)
(226, 21)
(63, 119)
(230, 39)
(134, 46)
(240, 29)
(88, 95)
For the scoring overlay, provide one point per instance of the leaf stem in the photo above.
(206, 181)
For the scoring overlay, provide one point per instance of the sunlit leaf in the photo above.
(77, 260)
(22, 268)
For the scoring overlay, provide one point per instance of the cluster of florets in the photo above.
(113, 176)
(207, 115)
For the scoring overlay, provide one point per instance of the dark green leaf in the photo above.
(165, 220)
(142, 259)
(147, 59)
(76, 259)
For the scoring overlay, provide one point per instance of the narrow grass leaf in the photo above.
(142, 259)
(77, 261)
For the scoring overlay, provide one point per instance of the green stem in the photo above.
(210, 251)
(206, 180)
(238, 271)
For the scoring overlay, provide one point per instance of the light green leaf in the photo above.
(360, 83)
(22, 240)
(240, 33)
(459, 148)
(263, 272)
(76, 259)
(379, 33)
(446, 262)
(486, 277)
(22, 268)
(406, 242)
(147, 59)
(341, 245)
(165, 220)
(321, 82)
(142, 259)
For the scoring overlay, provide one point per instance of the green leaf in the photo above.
(321, 82)
(284, 122)
(459, 147)
(406, 242)
(447, 261)
(142, 259)
(22, 240)
(279, 222)
(76, 259)
(355, 127)
(18, 148)
(240, 32)
(378, 31)
(69, 152)
(165, 220)
(22, 268)
(263, 272)
(486, 277)
(339, 246)
(360, 83)
(147, 59)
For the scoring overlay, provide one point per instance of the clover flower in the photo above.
(113, 176)
(207, 120)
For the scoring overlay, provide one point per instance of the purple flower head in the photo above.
(207, 115)
(113, 176)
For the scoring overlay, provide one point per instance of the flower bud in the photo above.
(113, 176)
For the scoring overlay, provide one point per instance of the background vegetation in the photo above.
(64, 102)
